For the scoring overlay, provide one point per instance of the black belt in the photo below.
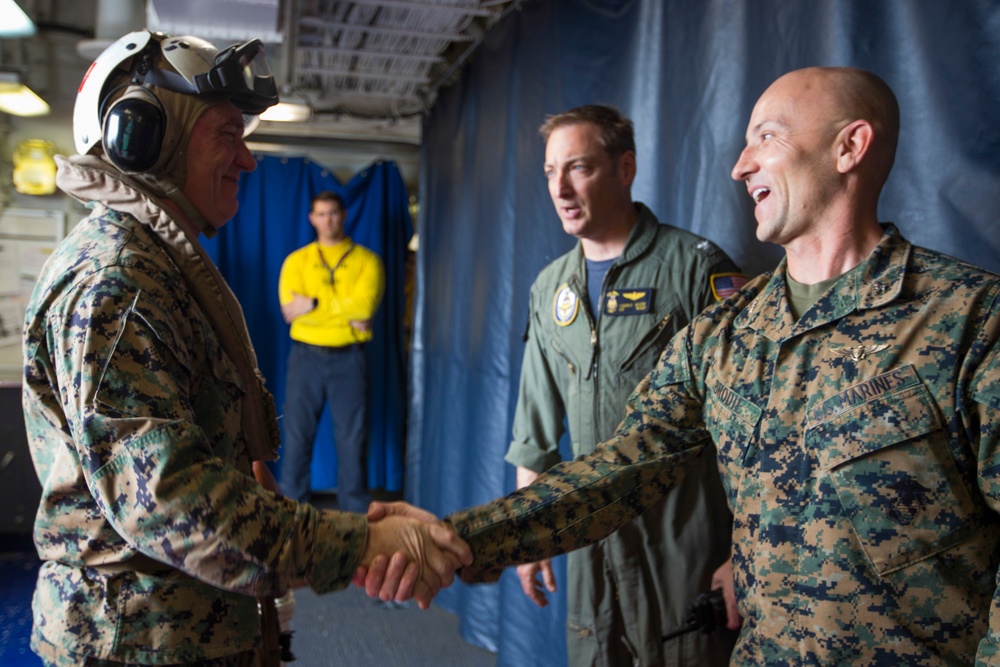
(329, 349)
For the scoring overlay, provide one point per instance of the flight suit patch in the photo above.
(628, 301)
(565, 306)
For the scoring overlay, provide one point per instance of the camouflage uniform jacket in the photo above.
(585, 370)
(860, 451)
(154, 535)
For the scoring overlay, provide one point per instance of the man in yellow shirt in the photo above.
(329, 291)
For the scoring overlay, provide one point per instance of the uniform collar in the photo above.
(639, 239)
(345, 243)
(875, 282)
(90, 179)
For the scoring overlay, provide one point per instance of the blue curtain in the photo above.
(688, 74)
(272, 222)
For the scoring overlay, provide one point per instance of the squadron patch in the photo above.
(628, 301)
(724, 285)
(565, 306)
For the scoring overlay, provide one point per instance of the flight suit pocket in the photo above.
(642, 356)
(889, 461)
(571, 378)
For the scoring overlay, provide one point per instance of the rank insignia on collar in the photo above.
(858, 352)
(565, 306)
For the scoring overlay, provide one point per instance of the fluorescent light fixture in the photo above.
(287, 112)
(17, 99)
(13, 21)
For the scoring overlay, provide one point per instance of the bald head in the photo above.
(820, 144)
(840, 95)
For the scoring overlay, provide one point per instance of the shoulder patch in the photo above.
(565, 306)
(724, 285)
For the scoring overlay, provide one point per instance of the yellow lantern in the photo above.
(35, 167)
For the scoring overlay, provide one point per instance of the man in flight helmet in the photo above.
(146, 415)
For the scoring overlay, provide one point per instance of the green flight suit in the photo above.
(637, 584)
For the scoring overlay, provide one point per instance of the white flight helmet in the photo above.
(132, 102)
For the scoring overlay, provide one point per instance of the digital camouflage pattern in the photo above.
(653, 568)
(155, 538)
(860, 454)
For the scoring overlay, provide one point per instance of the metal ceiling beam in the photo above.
(336, 95)
(314, 22)
(463, 10)
(366, 53)
(377, 76)
(263, 141)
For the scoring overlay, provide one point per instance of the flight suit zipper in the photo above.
(595, 324)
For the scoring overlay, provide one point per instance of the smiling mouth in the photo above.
(759, 194)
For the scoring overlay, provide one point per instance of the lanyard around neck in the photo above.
(340, 261)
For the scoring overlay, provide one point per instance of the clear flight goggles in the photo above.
(241, 74)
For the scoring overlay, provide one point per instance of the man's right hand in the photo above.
(723, 578)
(410, 553)
(297, 307)
(528, 573)
(532, 586)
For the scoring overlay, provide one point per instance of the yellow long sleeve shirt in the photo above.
(353, 293)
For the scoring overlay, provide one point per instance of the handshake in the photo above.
(410, 554)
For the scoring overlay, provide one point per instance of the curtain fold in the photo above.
(688, 74)
(272, 222)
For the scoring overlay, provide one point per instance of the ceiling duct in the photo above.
(217, 20)
(115, 18)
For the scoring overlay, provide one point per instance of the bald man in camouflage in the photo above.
(851, 396)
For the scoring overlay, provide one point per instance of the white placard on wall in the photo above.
(27, 238)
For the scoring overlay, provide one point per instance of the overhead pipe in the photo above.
(115, 18)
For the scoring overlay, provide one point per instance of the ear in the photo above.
(853, 144)
(626, 168)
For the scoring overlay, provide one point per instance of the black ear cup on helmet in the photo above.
(133, 130)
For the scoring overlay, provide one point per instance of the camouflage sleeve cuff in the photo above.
(339, 543)
(527, 455)
(474, 573)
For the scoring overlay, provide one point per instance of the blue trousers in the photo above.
(338, 377)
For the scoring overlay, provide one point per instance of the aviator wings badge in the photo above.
(859, 351)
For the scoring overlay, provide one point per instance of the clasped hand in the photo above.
(409, 554)
(299, 305)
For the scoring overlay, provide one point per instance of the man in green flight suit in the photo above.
(600, 316)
